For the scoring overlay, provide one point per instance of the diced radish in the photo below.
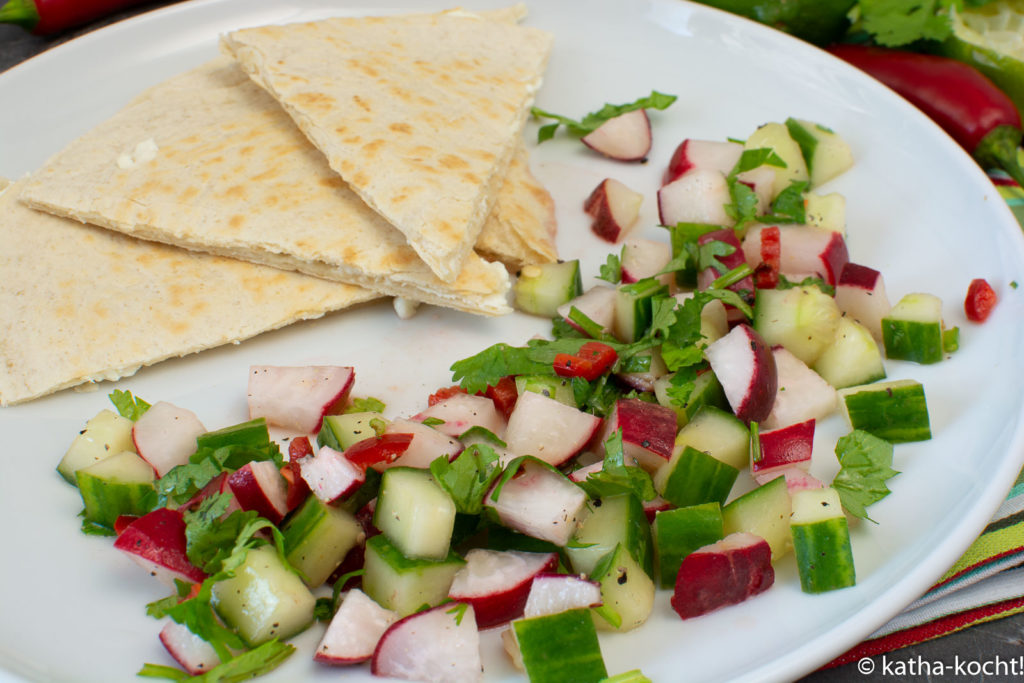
(354, 631)
(426, 446)
(214, 486)
(259, 486)
(582, 473)
(614, 209)
(655, 505)
(802, 393)
(461, 412)
(762, 181)
(784, 448)
(439, 645)
(296, 486)
(330, 475)
(648, 431)
(497, 582)
(796, 480)
(597, 303)
(745, 367)
(644, 381)
(554, 593)
(730, 261)
(165, 436)
(707, 155)
(806, 250)
(538, 502)
(642, 258)
(723, 573)
(697, 197)
(549, 430)
(298, 397)
(860, 294)
(195, 655)
(626, 137)
(156, 541)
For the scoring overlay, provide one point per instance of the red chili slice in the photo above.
(980, 301)
(377, 449)
(298, 489)
(443, 393)
(504, 394)
(766, 275)
(122, 522)
(299, 448)
(590, 361)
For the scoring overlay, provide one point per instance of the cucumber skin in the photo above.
(251, 433)
(697, 478)
(105, 501)
(897, 413)
(824, 556)
(918, 342)
(763, 511)
(561, 648)
(317, 537)
(425, 573)
(635, 535)
(679, 532)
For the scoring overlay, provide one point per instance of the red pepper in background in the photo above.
(45, 17)
(980, 301)
(958, 97)
(589, 362)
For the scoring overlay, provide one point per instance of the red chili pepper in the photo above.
(504, 394)
(980, 301)
(44, 17)
(298, 489)
(443, 393)
(589, 362)
(123, 522)
(299, 448)
(958, 97)
(766, 275)
(377, 449)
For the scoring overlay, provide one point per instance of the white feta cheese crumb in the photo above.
(405, 308)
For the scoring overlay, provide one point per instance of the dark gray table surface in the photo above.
(1002, 639)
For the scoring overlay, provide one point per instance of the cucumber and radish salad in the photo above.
(659, 439)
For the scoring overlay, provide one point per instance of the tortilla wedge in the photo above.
(419, 114)
(83, 304)
(231, 174)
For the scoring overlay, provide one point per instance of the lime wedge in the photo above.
(991, 39)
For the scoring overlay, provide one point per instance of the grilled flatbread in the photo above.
(419, 114)
(209, 161)
(83, 304)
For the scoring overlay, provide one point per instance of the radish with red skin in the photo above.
(461, 412)
(802, 393)
(195, 655)
(354, 631)
(330, 475)
(626, 137)
(805, 250)
(165, 436)
(784, 448)
(713, 155)
(860, 294)
(156, 541)
(745, 367)
(215, 485)
(539, 502)
(643, 258)
(597, 303)
(796, 479)
(614, 209)
(698, 197)
(724, 573)
(259, 486)
(497, 582)
(426, 445)
(648, 432)
(438, 645)
(549, 430)
(554, 593)
(296, 486)
(298, 397)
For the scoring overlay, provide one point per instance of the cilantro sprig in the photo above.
(865, 464)
(593, 120)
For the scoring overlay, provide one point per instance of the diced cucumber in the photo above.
(776, 137)
(763, 511)
(404, 584)
(821, 541)
(264, 599)
(541, 288)
(718, 432)
(913, 329)
(121, 484)
(827, 155)
(558, 388)
(416, 514)
(341, 431)
(803, 319)
(104, 435)
(560, 647)
(896, 410)
(364, 494)
(826, 211)
(627, 591)
(680, 531)
(317, 538)
(693, 477)
(852, 358)
(707, 390)
(610, 521)
(633, 308)
(251, 433)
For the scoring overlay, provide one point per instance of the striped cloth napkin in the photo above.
(987, 582)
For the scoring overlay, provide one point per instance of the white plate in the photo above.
(919, 210)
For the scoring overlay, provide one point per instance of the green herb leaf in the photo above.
(366, 405)
(615, 476)
(486, 368)
(459, 610)
(127, 405)
(468, 478)
(611, 270)
(480, 432)
(786, 283)
(788, 206)
(256, 662)
(894, 23)
(865, 464)
(433, 421)
(593, 121)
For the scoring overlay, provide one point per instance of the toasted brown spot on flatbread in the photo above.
(315, 100)
(451, 161)
(361, 103)
(371, 148)
(190, 193)
(400, 128)
(236, 221)
(235, 192)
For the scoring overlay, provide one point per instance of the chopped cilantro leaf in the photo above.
(489, 366)
(432, 422)
(593, 120)
(611, 270)
(786, 283)
(127, 405)
(459, 611)
(615, 476)
(366, 405)
(255, 662)
(899, 22)
(865, 464)
(788, 207)
(467, 478)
